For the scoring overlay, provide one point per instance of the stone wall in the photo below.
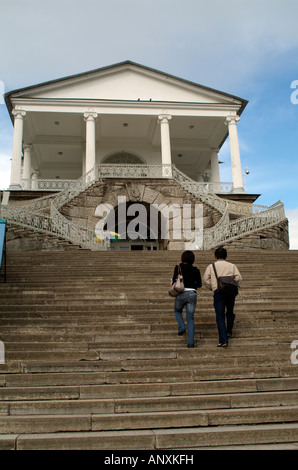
(82, 209)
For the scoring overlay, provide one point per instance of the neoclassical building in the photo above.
(129, 131)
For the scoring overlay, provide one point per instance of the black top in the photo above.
(191, 275)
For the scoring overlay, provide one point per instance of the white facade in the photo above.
(64, 127)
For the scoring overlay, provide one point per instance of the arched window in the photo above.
(123, 157)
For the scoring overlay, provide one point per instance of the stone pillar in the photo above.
(16, 163)
(83, 161)
(166, 158)
(27, 166)
(215, 175)
(231, 122)
(90, 158)
(35, 175)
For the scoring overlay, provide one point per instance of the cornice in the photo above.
(139, 106)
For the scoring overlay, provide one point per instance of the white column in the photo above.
(166, 158)
(90, 158)
(215, 176)
(27, 166)
(16, 163)
(231, 121)
(83, 161)
(35, 175)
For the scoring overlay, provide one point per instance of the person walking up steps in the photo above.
(223, 303)
(187, 298)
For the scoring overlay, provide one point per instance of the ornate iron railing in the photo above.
(200, 190)
(225, 231)
(77, 234)
(54, 225)
(245, 208)
(251, 217)
(40, 204)
(110, 171)
(43, 214)
(46, 184)
(122, 171)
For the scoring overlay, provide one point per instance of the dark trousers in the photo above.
(224, 307)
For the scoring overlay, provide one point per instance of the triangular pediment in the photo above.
(127, 81)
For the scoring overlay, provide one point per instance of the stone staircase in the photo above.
(69, 217)
(93, 360)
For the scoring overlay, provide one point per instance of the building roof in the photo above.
(123, 64)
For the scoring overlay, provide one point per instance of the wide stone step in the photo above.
(194, 418)
(179, 438)
(68, 400)
(154, 306)
(201, 365)
(205, 402)
(126, 326)
(102, 385)
(157, 357)
(182, 381)
(159, 420)
(93, 359)
(206, 335)
(42, 344)
(116, 374)
(58, 355)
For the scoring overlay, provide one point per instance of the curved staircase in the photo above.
(93, 360)
(44, 215)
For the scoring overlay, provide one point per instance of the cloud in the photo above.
(292, 215)
(214, 43)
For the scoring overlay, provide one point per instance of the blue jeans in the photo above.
(187, 299)
(221, 303)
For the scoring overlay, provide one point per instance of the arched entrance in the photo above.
(138, 225)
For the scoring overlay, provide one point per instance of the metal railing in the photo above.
(53, 225)
(43, 214)
(251, 217)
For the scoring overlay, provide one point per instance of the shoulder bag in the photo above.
(178, 285)
(226, 284)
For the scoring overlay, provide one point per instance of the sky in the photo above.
(248, 48)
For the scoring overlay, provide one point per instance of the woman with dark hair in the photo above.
(187, 298)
